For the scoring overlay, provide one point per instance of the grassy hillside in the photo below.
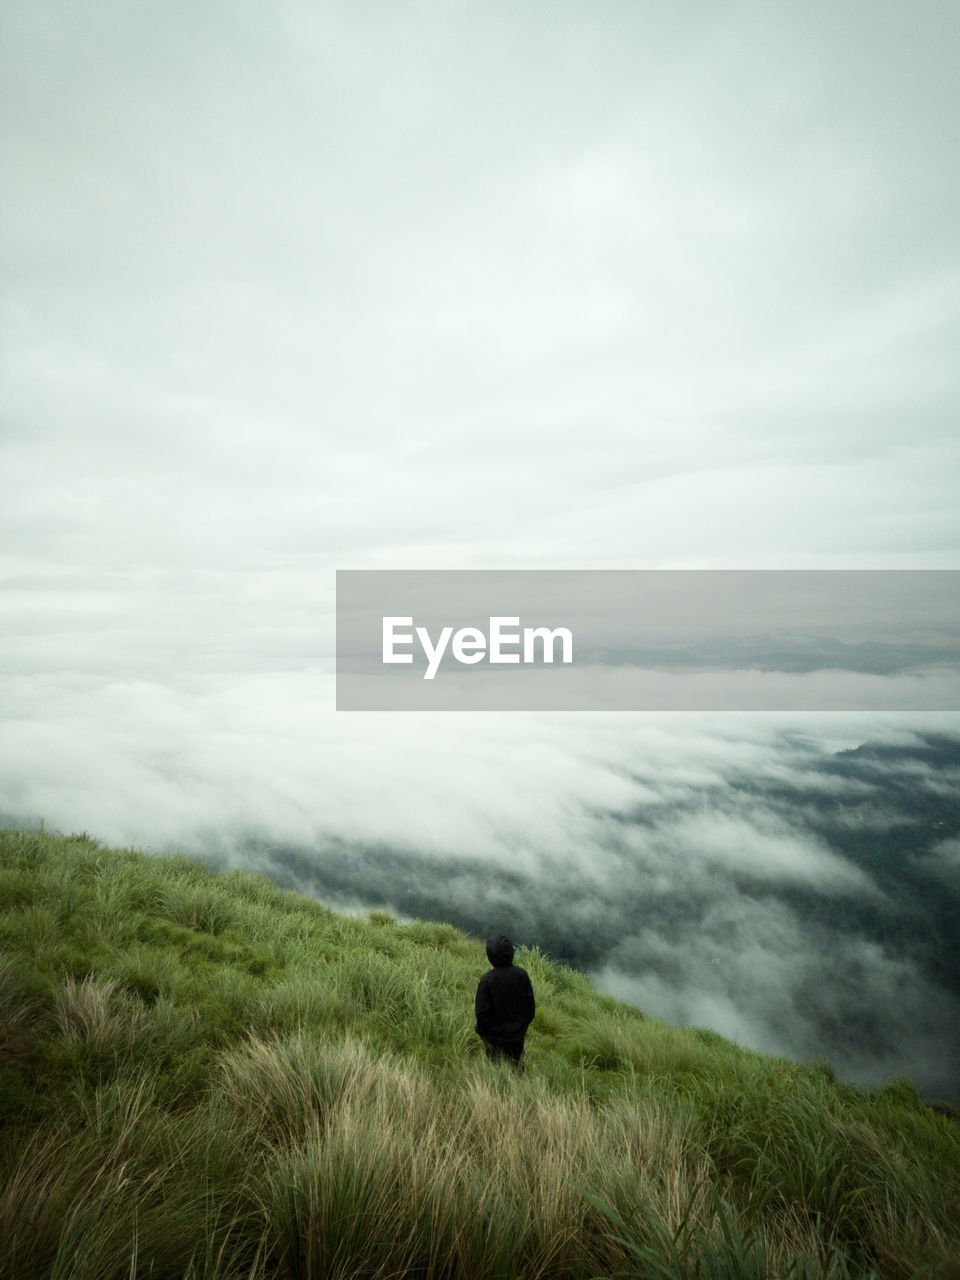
(202, 1075)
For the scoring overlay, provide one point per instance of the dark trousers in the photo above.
(512, 1052)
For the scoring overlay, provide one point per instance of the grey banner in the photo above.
(629, 640)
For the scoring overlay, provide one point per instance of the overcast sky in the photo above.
(471, 285)
(296, 287)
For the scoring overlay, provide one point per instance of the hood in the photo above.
(499, 951)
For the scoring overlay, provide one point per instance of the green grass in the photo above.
(204, 1076)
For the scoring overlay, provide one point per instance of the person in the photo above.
(505, 1005)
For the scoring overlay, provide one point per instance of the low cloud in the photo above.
(729, 871)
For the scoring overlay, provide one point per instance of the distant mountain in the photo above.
(797, 654)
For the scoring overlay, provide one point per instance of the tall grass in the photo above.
(204, 1076)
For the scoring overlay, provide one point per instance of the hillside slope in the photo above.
(203, 1075)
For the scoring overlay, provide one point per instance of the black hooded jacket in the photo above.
(505, 1004)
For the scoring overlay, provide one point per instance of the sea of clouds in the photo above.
(714, 870)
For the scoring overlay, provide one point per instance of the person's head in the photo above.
(499, 951)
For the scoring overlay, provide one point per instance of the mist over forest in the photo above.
(791, 881)
(810, 911)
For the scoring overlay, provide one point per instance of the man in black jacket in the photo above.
(505, 1004)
